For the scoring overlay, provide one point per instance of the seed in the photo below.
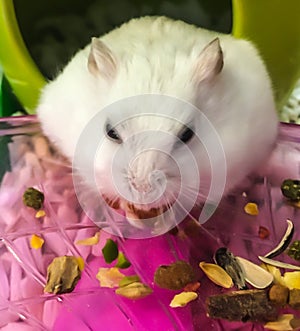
(284, 242)
(225, 259)
(135, 290)
(216, 274)
(283, 323)
(254, 274)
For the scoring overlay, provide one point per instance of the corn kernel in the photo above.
(251, 209)
(36, 242)
(40, 213)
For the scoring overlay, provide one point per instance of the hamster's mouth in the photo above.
(135, 213)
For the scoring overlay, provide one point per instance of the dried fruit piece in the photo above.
(110, 251)
(182, 299)
(192, 287)
(254, 274)
(277, 278)
(279, 295)
(40, 213)
(33, 198)
(136, 290)
(294, 250)
(36, 241)
(251, 208)
(216, 274)
(80, 262)
(294, 298)
(174, 276)
(263, 232)
(225, 259)
(122, 262)
(290, 188)
(246, 305)
(89, 241)
(284, 242)
(109, 277)
(63, 274)
(285, 322)
(292, 279)
(128, 280)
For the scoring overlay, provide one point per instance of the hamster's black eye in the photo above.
(186, 135)
(112, 134)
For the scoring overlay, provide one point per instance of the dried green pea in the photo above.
(33, 198)
(122, 262)
(110, 251)
(127, 280)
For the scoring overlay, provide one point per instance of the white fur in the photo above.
(156, 55)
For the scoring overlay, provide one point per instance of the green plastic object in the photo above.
(8, 101)
(274, 26)
(20, 70)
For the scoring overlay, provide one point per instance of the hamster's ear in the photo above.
(210, 62)
(101, 61)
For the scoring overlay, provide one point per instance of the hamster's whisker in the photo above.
(197, 223)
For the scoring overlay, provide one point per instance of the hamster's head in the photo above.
(148, 160)
(138, 145)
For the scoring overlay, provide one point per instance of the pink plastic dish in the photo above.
(26, 160)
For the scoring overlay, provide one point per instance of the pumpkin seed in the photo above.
(182, 299)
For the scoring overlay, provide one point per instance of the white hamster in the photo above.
(140, 85)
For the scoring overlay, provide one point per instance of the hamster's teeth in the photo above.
(113, 203)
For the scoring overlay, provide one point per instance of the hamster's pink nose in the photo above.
(155, 181)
